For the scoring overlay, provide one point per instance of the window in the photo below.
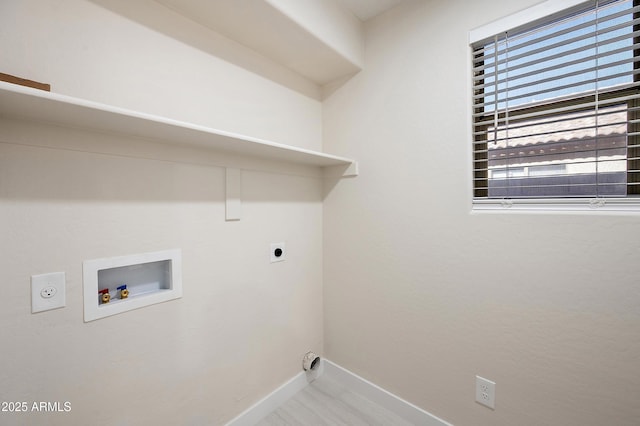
(556, 109)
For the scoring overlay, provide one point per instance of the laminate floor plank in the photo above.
(327, 403)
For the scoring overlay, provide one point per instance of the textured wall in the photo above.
(243, 324)
(420, 295)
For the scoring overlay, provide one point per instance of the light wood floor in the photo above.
(326, 403)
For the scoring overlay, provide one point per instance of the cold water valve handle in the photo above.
(124, 293)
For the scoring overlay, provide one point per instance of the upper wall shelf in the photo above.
(30, 104)
(323, 45)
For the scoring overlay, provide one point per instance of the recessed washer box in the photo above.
(149, 278)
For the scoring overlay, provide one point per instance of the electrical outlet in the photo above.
(486, 392)
(278, 252)
(47, 292)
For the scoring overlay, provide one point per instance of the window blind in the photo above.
(556, 106)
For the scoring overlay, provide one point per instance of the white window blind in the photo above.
(556, 107)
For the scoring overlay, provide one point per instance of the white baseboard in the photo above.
(269, 403)
(375, 393)
(386, 399)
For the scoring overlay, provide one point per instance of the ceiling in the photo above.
(367, 9)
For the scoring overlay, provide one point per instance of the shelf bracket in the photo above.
(233, 195)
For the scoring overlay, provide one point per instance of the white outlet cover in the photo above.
(486, 392)
(48, 292)
(283, 254)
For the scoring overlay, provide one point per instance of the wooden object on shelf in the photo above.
(24, 82)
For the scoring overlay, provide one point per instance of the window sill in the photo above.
(586, 205)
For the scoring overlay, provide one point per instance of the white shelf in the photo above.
(25, 103)
(297, 44)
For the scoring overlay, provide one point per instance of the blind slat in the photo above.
(542, 71)
(491, 61)
(480, 46)
(596, 114)
(503, 40)
(582, 139)
(593, 59)
(554, 110)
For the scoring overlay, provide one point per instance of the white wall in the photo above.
(243, 324)
(420, 295)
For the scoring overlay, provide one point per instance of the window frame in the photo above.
(529, 18)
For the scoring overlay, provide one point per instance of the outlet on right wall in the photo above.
(421, 295)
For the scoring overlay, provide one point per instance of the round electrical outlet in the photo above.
(48, 292)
